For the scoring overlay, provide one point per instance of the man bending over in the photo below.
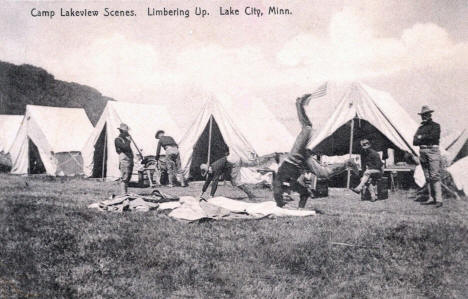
(229, 166)
(174, 168)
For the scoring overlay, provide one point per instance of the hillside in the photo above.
(26, 84)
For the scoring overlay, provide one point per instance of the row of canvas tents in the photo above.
(341, 113)
(62, 141)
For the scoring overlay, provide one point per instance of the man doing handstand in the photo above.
(300, 160)
(227, 166)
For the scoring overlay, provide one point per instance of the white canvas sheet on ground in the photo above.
(344, 101)
(143, 120)
(191, 209)
(53, 130)
(9, 126)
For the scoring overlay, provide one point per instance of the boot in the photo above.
(279, 200)
(303, 201)
(430, 192)
(421, 195)
(373, 192)
(438, 194)
(247, 191)
(123, 188)
(170, 178)
(157, 178)
(181, 179)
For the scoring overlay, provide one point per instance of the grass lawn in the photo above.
(52, 245)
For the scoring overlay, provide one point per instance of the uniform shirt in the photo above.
(123, 146)
(218, 168)
(427, 134)
(164, 141)
(370, 159)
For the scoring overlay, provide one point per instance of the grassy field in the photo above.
(52, 245)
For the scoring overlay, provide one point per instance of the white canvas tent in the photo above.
(456, 146)
(9, 125)
(210, 136)
(49, 141)
(261, 128)
(99, 155)
(459, 173)
(343, 114)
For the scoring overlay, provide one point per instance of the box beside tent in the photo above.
(49, 141)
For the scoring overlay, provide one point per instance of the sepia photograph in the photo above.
(234, 149)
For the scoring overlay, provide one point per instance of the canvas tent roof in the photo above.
(378, 117)
(261, 127)
(337, 108)
(143, 119)
(456, 146)
(9, 125)
(459, 172)
(213, 119)
(52, 130)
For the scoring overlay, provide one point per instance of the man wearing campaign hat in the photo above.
(427, 138)
(124, 149)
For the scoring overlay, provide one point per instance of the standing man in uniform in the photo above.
(371, 165)
(124, 149)
(427, 138)
(172, 157)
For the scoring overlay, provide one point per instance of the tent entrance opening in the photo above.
(202, 148)
(100, 155)
(339, 143)
(35, 162)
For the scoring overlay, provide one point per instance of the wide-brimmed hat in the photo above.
(123, 127)
(425, 109)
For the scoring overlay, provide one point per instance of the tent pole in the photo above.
(350, 152)
(104, 153)
(209, 139)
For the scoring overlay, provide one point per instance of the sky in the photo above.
(416, 50)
